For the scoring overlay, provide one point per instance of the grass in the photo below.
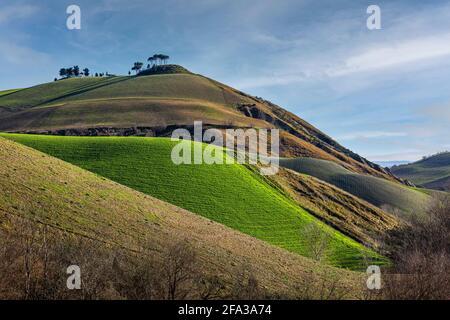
(379, 192)
(61, 196)
(120, 113)
(233, 195)
(169, 86)
(53, 91)
(5, 92)
(122, 102)
(345, 212)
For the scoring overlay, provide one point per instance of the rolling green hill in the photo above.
(380, 192)
(150, 104)
(80, 204)
(432, 172)
(234, 195)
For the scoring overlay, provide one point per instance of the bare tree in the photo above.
(318, 241)
(179, 268)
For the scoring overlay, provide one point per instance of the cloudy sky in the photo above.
(383, 93)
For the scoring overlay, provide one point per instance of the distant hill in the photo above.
(380, 192)
(390, 164)
(155, 104)
(432, 172)
(80, 204)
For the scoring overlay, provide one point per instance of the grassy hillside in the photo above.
(5, 92)
(234, 195)
(342, 210)
(61, 196)
(432, 172)
(53, 91)
(379, 192)
(159, 101)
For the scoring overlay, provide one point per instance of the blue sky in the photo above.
(385, 93)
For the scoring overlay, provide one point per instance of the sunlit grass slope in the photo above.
(234, 195)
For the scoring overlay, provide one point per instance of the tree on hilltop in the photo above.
(76, 71)
(69, 72)
(86, 72)
(62, 72)
(137, 66)
(152, 60)
(164, 58)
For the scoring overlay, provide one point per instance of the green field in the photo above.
(379, 192)
(234, 195)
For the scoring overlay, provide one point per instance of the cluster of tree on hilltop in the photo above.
(154, 61)
(75, 71)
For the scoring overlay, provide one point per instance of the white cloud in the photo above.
(395, 54)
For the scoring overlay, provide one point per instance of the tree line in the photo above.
(75, 71)
(154, 61)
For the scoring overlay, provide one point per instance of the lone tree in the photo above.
(69, 72)
(76, 71)
(152, 60)
(137, 66)
(63, 72)
(86, 72)
(164, 58)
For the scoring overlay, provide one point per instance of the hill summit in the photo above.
(164, 69)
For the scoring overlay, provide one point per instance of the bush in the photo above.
(420, 253)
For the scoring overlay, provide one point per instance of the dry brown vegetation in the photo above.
(345, 212)
(420, 253)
